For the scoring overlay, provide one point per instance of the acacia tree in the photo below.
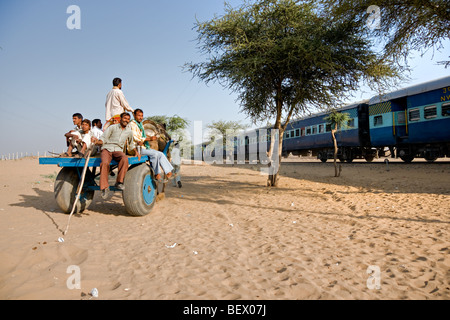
(284, 57)
(337, 120)
(221, 128)
(172, 123)
(225, 129)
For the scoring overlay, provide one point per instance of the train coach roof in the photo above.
(413, 90)
(326, 112)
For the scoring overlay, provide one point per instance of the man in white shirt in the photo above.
(115, 104)
(80, 140)
(77, 118)
(97, 132)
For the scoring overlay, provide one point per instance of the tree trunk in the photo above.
(337, 172)
(272, 180)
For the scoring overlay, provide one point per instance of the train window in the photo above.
(321, 128)
(308, 131)
(351, 123)
(297, 133)
(328, 127)
(288, 135)
(314, 130)
(378, 121)
(446, 110)
(303, 132)
(414, 114)
(430, 112)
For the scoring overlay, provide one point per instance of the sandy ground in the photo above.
(224, 235)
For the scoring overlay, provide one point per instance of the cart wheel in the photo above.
(140, 190)
(66, 186)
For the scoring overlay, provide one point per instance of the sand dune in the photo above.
(224, 235)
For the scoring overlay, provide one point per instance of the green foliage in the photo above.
(405, 25)
(338, 120)
(175, 123)
(224, 128)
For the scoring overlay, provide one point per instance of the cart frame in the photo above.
(141, 187)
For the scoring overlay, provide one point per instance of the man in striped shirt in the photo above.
(157, 158)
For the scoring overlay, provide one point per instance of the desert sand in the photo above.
(225, 235)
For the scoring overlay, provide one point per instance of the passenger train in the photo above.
(409, 123)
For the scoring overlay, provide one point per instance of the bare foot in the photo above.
(169, 175)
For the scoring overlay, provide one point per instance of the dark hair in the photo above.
(78, 115)
(138, 110)
(117, 81)
(86, 121)
(124, 114)
(95, 121)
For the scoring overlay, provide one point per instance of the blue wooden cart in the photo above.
(139, 195)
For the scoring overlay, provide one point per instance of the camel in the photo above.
(155, 129)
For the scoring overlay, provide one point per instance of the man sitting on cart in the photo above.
(113, 142)
(80, 140)
(157, 158)
(77, 118)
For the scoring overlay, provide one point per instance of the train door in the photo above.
(364, 125)
(400, 120)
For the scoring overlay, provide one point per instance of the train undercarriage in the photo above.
(407, 152)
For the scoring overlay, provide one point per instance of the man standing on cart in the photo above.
(114, 141)
(115, 103)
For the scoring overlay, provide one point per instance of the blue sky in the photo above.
(48, 72)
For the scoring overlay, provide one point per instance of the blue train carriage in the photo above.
(312, 136)
(413, 122)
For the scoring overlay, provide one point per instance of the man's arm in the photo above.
(133, 145)
(70, 134)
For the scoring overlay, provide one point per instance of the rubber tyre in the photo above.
(66, 186)
(140, 190)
